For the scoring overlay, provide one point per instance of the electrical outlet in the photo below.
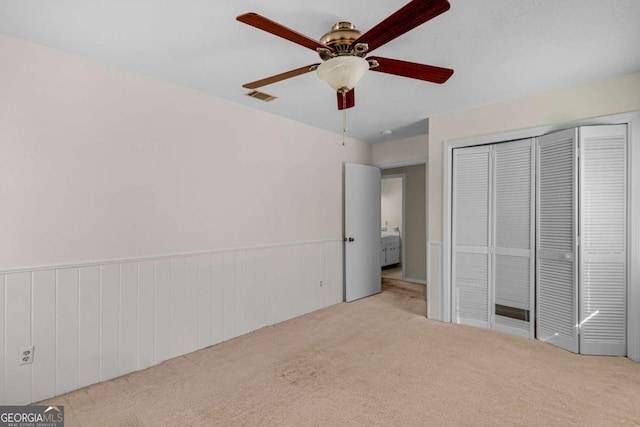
(26, 355)
(320, 283)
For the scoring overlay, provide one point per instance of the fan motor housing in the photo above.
(340, 38)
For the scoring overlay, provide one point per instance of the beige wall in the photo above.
(415, 238)
(100, 164)
(400, 150)
(594, 99)
(391, 204)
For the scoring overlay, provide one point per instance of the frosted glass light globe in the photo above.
(342, 73)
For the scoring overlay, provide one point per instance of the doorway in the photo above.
(404, 219)
(362, 276)
(392, 196)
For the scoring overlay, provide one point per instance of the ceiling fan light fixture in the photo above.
(342, 73)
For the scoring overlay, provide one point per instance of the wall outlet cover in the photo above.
(26, 355)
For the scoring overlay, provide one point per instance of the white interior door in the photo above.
(471, 231)
(603, 231)
(362, 231)
(513, 237)
(557, 274)
(493, 235)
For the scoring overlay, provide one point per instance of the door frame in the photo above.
(403, 177)
(416, 162)
(632, 120)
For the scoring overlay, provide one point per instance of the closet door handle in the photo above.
(349, 239)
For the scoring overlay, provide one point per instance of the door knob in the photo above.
(349, 239)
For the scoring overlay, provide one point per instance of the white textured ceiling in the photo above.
(500, 49)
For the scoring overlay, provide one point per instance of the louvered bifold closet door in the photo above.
(470, 236)
(513, 220)
(603, 206)
(556, 278)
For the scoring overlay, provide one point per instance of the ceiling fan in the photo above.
(344, 49)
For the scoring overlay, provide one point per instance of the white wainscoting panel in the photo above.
(89, 328)
(96, 321)
(434, 281)
(43, 378)
(66, 322)
(146, 320)
(191, 318)
(109, 321)
(204, 301)
(177, 308)
(128, 315)
(17, 311)
(217, 298)
(162, 318)
(227, 277)
(2, 342)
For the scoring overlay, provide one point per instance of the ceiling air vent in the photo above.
(261, 96)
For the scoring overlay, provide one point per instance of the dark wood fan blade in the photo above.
(410, 16)
(412, 70)
(273, 27)
(280, 77)
(348, 100)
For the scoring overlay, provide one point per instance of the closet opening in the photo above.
(567, 243)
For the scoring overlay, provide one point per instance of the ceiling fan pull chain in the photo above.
(344, 115)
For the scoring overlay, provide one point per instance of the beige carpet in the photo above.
(376, 361)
